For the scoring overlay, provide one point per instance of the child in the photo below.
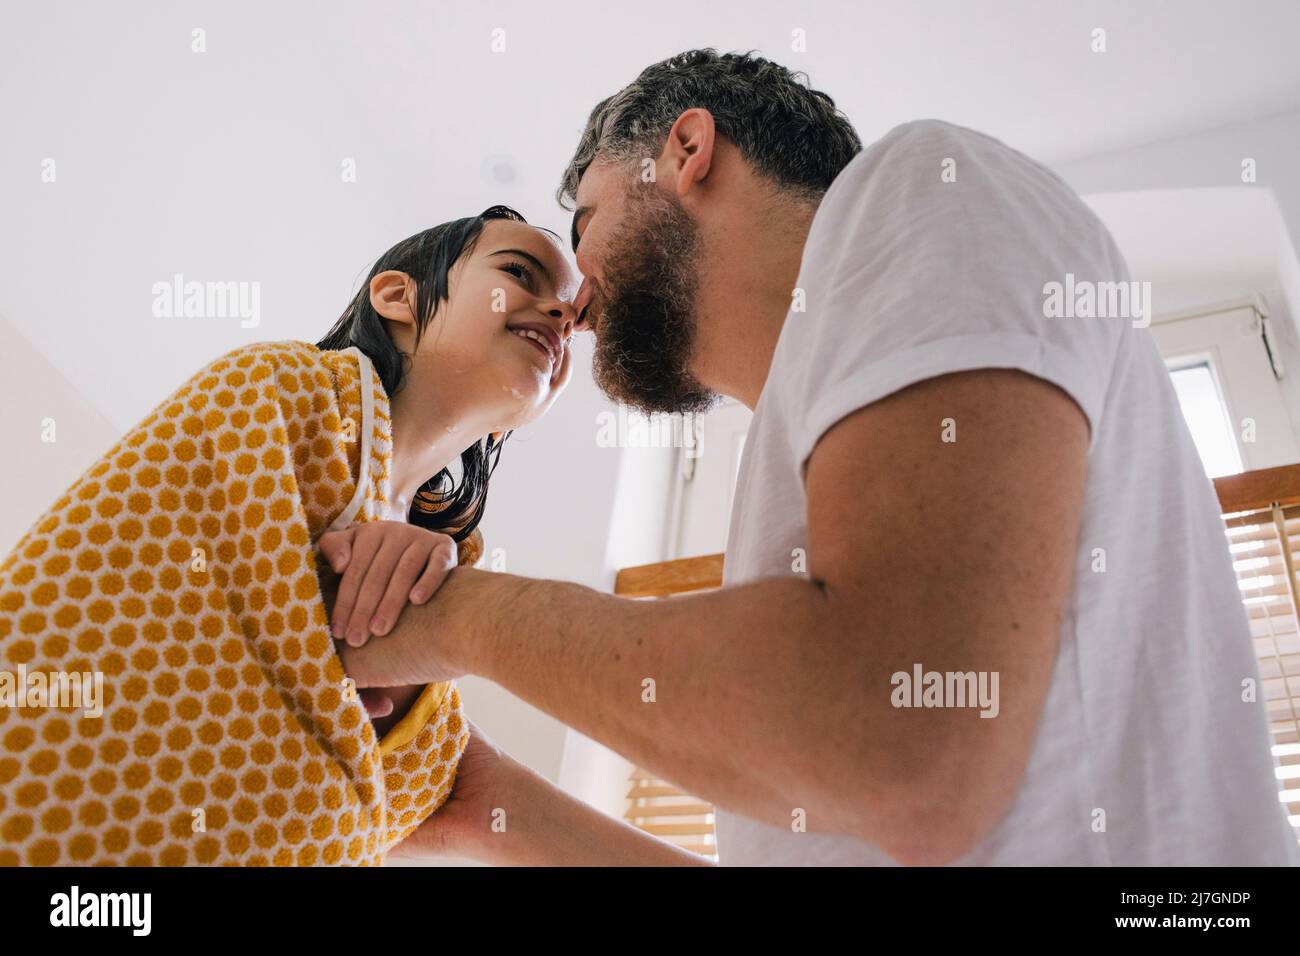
(181, 567)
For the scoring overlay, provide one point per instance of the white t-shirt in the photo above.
(907, 276)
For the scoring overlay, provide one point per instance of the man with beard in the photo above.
(983, 492)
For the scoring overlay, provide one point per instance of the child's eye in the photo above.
(520, 270)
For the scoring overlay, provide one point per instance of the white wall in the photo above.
(1183, 217)
(1213, 158)
(636, 534)
(33, 393)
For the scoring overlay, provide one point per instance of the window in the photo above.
(1207, 417)
(1224, 366)
(708, 481)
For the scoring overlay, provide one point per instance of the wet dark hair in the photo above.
(441, 504)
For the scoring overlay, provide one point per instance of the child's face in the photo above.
(515, 283)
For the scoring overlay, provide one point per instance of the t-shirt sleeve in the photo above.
(935, 252)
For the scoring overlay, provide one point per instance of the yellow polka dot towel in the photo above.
(170, 691)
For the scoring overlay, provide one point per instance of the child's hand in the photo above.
(383, 564)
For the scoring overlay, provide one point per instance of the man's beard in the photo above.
(645, 309)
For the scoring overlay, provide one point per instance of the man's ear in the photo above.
(393, 296)
(688, 150)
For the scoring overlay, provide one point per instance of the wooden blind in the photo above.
(658, 807)
(1261, 517)
(670, 577)
(653, 804)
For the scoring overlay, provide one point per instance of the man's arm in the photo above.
(541, 824)
(775, 696)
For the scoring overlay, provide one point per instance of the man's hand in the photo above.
(543, 825)
(485, 780)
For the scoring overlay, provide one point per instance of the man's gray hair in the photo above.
(790, 133)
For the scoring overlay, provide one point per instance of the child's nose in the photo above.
(568, 316)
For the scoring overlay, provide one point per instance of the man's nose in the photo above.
(580, 303)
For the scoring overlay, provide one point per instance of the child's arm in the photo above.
(377, 567)
(357, 586)
(383, 564)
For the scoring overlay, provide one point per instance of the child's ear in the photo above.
(392, 294)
